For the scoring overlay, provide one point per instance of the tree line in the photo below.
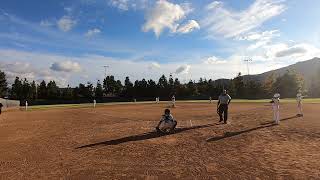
(239, 87)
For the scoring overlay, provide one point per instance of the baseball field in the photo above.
(118, 142)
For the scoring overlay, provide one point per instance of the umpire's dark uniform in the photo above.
(223, 102)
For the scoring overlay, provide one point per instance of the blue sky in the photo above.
(70, 41)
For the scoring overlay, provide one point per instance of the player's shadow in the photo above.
(284, 119)
(141, 137)
(231, 134)
(263, 125)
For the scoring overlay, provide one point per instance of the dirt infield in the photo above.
(118, 142)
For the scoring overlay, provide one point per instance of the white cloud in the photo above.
(165, 15)
(28, 71)
(66, 23)
(14, 69)
(214, 5)
(68, 9)
(291, 51)
(33, 66)
(276, 55)
(46, 23)
(213, 61)
(260, 38)
(92, 32)
(295, 51)
(18, 67)
(36, 66)
(121, 4)
(66, 66)
(184, 69)
(125, 5)
(257, 45)
(256, 36)
(154, 65)
(188, 27)
(220, 21)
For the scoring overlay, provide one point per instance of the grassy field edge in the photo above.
(88, 105)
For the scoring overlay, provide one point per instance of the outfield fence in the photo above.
(7, 103)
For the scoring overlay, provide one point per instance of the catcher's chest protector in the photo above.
(166, 125)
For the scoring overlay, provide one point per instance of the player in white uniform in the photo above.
(276, 108)
(94, 103)
(26, 106)
(167, 123)
(299, 102)
(173, 100)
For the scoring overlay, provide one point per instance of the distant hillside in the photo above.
(308, 69)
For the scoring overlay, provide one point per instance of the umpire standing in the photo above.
(222, 106)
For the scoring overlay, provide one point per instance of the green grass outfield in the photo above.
(88, 105)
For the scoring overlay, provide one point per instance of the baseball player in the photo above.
(173, 100)
(222, 106)
(94, 103)
(167, 123)
(299, 101)
(276, 108)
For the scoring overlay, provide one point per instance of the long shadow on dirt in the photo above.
(141, 137)
(231, 134)
(284, 119)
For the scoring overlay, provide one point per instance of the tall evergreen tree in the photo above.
(89, 90)
(163, 87)
(67, 93)
(109, 85)
(34, 90)
(152, 88)
(314, 89)
(163, 82)
(128, 88)
(85, 91)
(99, 90)
(3, 84)
(238, 87)
(16, 90)
(268, 86)
(118, 88)
(26, 90)
(192, 89)
(253, 90)
(52, 90)
(203, 87)
(171, 85)
(42, 90)
(288, 85)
